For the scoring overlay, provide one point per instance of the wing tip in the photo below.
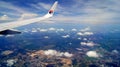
(52, 10)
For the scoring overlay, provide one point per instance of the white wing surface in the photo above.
(10, 25)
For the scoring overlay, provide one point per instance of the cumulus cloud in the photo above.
(9, 36)
(92, 54)
(10, 62)
(74, 29)
(52, 29)
(84, 33)
(88, 33)
(79, 33)
(38, 30)
(90, 44)
(46, 37)
(57, 53)
(66, 36)
(61, 29)
(43, 30)
(115, 51)
(85, 29)
(67, 54)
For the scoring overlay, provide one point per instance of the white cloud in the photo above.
(4, 17)
(74, 29)
(85, 39)
(66, 36)
(34, 30)
(84, 33)
(92, 54)
(41, 5)
(79, 33)
(27, 16)
(61, 29)
(79, 49)
(90, 44)
(9, 36)
(57, 53)
(88, 33)
(52, 29)
(115, 51)
(1, 35)
(35, 6)
(37, 30)
(85, 29)
(10, 62)
(66, 54)
(46, 37)
(50, 52)
(70, 43)
(43, 30)
(79, 38)
(45, 6)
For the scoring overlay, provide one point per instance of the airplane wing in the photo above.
(5, 27)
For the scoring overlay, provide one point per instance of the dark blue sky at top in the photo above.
(24, 3)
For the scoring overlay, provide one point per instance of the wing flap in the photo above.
(6, 32)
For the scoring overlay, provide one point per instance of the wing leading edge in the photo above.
(10, 25)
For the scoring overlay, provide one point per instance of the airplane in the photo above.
(6, 28)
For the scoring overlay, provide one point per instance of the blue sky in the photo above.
(80, 11)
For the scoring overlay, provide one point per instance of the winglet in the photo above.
(51, 11)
